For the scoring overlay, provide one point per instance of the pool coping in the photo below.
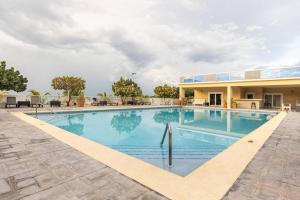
(215, 177)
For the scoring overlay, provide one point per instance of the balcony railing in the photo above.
(279, 73)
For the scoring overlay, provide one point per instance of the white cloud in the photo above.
(159, 40)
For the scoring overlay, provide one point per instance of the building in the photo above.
(267, 88)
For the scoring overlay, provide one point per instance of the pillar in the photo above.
(229, 96)
(181, 93)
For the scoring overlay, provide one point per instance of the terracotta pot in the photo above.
(234, 105)
(179, 102)
(80, 103)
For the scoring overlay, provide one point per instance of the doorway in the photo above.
(274, 100)
(215, 98)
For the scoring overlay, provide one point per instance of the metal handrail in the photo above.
(169, 130)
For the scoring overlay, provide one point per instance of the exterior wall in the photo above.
(258, 92)
(252, 74)
(203, 92)
(290, 94)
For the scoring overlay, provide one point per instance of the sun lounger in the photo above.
(11, 101)
(95, 102)
(36, 101)
(200, 102)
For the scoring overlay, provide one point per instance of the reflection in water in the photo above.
(125, 122)
(75, 123)
(166, 116)
(221, 122)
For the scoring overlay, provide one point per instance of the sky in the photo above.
(158, 40)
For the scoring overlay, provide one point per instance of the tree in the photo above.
(166, 91)
(126, 88)
(3, 94)
(33, 93)
(70, 84)
(104, 96)
(11, 79)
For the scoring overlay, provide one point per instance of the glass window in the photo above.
(249, 95)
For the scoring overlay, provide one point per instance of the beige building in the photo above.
(256, 89)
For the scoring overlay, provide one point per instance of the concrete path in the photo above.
(274, 173)
(33, 165)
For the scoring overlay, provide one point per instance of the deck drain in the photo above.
(250, 141)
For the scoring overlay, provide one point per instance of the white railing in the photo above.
(274, 73)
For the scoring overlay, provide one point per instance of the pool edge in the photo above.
(215, 177)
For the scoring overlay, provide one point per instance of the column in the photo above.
(229, 96)
(181, 93)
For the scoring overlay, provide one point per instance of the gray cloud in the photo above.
(159, 40)
(134, 50)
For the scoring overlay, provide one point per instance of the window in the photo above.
(249, 95)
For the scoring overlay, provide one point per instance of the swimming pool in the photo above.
(198, 134)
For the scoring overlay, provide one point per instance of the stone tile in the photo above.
(55, 193)
(274, 172)
(29, 190)
(4, 186)
(26, 183)
(150, 196)
(47, 180)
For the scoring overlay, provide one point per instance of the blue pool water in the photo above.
(198, 134)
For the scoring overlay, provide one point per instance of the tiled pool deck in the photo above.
(274, 173)
(33, 165)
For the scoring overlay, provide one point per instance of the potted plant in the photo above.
(225, 104)
(80, 100)
(233, 104)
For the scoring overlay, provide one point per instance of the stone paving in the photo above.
(33, 165)
(274, 173)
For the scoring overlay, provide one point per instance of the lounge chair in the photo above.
(55, 103)
(11, 101)
(95, 102)
(287, 107)
(297, 106)
(36, 101)
(200, 102)
(103, 103)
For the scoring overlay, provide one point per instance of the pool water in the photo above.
(197, 134)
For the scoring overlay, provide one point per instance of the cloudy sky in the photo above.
(159, 40)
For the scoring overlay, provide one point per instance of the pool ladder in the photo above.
(169, 130)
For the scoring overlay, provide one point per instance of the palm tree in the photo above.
(45, 97)
(103, 96)
(33, 93)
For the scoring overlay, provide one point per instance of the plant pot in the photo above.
(234, 105)
(179, 102)
(225, 105)
(80, 103)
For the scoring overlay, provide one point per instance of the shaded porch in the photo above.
(244, 97)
